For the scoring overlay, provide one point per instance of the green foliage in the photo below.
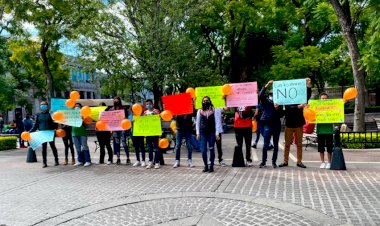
(7, 143)
(360, 139)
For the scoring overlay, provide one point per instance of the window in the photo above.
(89, 95)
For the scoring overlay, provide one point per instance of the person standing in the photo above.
(20, 129)
(325, 134)
(79, 135)
(138, 145)
(45, 122)
(219, 117)
(120, 137)
(69, 144)
(152, 141)
(207, 129)
(294, 121)
(243, 130)
(1, 123)
(184, 126)
(104, 139)
(271, 122)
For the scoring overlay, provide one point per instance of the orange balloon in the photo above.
(126, 124)
(70, 103)
(60, 133)
(100, 125)
(191, 91)
(226, 89)
(163, 143)
(87, 120)
(74, 95)
(26, 136)
(166, 115)
(137, 109)
(254, 126)
(350, 93)
(58, 116)
(85, 111)
(309, 114)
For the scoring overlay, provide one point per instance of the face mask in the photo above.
(206, 104)
(77, 108)
(116, 103)
(149, 106)
(43, 107)
(270, 98)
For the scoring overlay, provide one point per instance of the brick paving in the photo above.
(30, 195)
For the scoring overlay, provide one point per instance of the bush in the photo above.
(368, 109)
(7, 143)
(360, 140)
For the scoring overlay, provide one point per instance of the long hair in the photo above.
(211, 105)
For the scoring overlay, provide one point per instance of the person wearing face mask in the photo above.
(20, 129)
(45, 122)
(120, 137)
(207, 129)
(152, 141)
(79, 135)
(271, 122)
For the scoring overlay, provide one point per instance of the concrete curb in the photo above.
(301, 211)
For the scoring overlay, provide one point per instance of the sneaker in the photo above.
(323, 165)
(56, 164)
(87, 164)
(65, 162)
(109, 163)
(328, 165)
(78, 164)
(274, 165)
(143, 164)
(138, 163)
(254, 146)
(118, 162)
(190, 163)
(72, 161)
(222, 163)
(262, 165)
(249, 163)
(44, 165)
(176, 164)
(301, 165)
(157, 165)
(128, 161)
(283, 164)
(149, 165)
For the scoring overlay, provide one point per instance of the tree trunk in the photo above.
(50, 80)
(344, 18)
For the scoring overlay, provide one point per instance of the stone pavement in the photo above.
(126, 195)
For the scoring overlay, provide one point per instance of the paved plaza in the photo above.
(126, 195)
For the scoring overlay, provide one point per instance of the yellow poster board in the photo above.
(215, 94)
(328, 111)
(147, 126)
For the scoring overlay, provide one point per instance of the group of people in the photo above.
(209, 131)
(17, 126)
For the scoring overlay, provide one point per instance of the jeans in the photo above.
(219, 148)
(179, 136)
(268, 132)
(195, 143)
(68, 142)
(152, 143)
(54, 150)
(104, 139)
(245, 133)
(208, 138)
(259, 132)
(138, 145)
(80, 143)
(117, 137)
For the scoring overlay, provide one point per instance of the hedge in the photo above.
(7, 143)
(360, 139)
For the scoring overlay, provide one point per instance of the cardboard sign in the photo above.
(243, 94)
(113, 119)
(147, 126)
(215, 94)
(328, 111)
(41, 137)
(95, 112)
(178, 104)
(71, 117)
(289, 92)
(58, 104)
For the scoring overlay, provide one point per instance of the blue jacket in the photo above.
(271, 116)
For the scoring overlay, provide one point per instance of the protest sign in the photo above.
(243, 94)
(41, 137)
(328, 111)
(95, 112)
(58, 104)
(112, 119)
(289, 92)
(178, 104)
(147, 126)
(71, 117)
(215, 94)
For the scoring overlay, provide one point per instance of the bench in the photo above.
(310, 138)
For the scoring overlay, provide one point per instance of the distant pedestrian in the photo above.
(28, 123)
(20, 129)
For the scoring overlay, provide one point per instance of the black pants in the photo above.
(219, 147)
(246, 134)
(54, 150)
(68, 142)
(104, 139)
